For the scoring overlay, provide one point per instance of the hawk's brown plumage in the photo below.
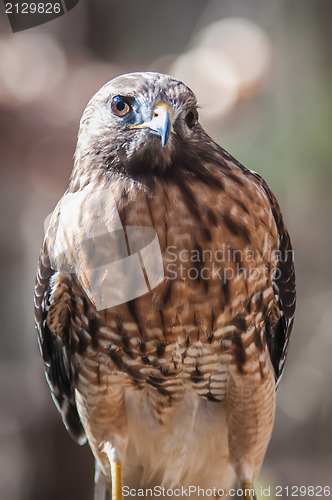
(177, 385)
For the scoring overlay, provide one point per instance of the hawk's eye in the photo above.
(191, 118)
(120, 105)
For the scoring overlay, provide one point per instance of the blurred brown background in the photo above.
(262, 71)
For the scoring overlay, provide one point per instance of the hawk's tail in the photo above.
(103, 487)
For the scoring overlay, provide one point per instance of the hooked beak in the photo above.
(161, 123)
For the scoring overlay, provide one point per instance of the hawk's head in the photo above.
(137, 123)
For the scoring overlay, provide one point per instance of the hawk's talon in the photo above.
(248, 491)
(117, 482)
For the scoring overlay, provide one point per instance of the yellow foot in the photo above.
(116, 470)
(248, 491)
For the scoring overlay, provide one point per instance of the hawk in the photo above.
(172, 385)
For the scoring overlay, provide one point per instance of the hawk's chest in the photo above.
(187, 329)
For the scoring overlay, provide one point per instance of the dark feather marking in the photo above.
(192, 206)
(166, 235)
(211, 216)
(264, 224)
(73, 347)
(258, 300)
(236, 229)
(150, 211)
(212, 320)
(237, 256)
(206, 286)
(156, 379)
(125, 341)
(189, 196)
(131, 304)
(119, 324)
(126, 346)
(93, 330)
(196, 376)
(225, 287)
(242, 205)
(134, 374)
(160, 349)
(166, 372)
(73, 304)
(210, 397)
(165, 194)
(240, 323)
(162, 322)
(248, 302)
(264, 309)
(82, 345)
(85, 306)
(276, 339)
(209, 337)
(235, 178)
(164, 392)
(258, 340)
(142, 347)
(240, 355)
(199, 263)
(156, 382)
(167, 294)
(98, 373)
(115, 356)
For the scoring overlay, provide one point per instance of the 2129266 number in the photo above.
(33, 8)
